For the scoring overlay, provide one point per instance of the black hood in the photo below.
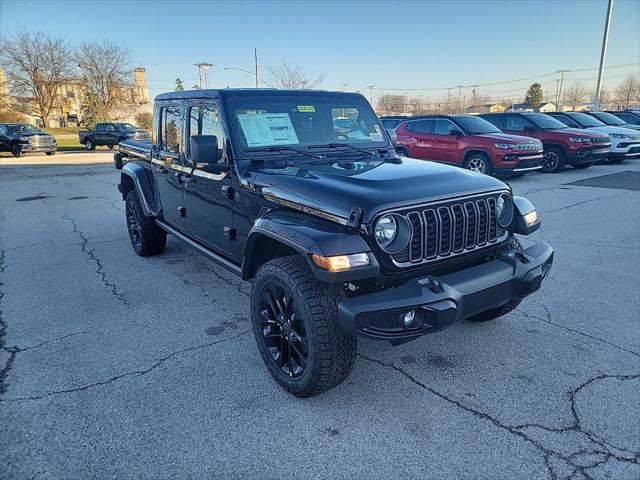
(373, 185)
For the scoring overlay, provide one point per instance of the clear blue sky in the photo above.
(400, 45)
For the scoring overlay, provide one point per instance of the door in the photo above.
(168, 165)
(208, 188)
(4, 138)
(445, 141)
(422, 131)
(110, 135)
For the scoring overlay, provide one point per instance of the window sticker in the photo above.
(306, 108)
(376, 137)
(265, 129)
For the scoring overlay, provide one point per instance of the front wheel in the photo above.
(89, 145)
(16, 150)
(554, 160)
(480, 163)
(50, 153)
(295, 324)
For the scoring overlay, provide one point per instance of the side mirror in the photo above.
(204, 149)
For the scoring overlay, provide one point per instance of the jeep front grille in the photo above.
(444, 231)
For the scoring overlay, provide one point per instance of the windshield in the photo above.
(546, 122)
(123, 127)
(584, 120)
(608, 118)
(267, 123)
(475, 125)
(23, 128)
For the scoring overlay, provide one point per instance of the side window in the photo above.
(170, 129)
(100, 127)
(567, 121)
(389, 123)
(444, 127)
(206, 120)
(499, 121)
(630, 119)
(421, 126)
(517, 123)
(110, 128)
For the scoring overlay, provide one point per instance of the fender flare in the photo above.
(308, 236)
(467, 150)
(134, 176)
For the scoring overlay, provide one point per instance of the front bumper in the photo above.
(587, 155)
(441, 301)
(630, 150)
(520, 164)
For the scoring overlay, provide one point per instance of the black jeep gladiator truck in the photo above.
(110, 134)
(340, 237)
(19, 138)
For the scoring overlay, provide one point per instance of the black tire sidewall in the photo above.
(561, 160)
(16, 150)
(89, 145)
(485, 158)
(153, 239)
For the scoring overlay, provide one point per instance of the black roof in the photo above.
(249, 92)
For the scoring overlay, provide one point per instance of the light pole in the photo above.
(203, 66)
(561, 72)
(370, 87)
(603, 55)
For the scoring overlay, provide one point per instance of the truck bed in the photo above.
(136, 148)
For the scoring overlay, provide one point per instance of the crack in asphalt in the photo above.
(599, 445)
(133, 373)
(566, 207)
(3, 332)
(96, 259)
(549, 320)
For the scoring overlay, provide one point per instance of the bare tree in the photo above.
(628, 91)
(291, 77)
(605, 97)
(575, 95)
(391, 104)
(106, 80)
(37, 67)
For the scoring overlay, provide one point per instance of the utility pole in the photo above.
(255, 56)
(558, 105)
(370, 87)
(459, 93)
(203, 66)
(603, 56)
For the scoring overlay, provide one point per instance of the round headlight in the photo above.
(386, 230)
(504, 210)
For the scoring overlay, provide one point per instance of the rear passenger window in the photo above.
(171, 129)
(421, 126)
(499, 121)
(517, 123)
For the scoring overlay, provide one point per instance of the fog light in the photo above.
(409, 317)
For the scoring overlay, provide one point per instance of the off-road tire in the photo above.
(331, 353)
(89, 145)
(151, 239)
(16, 150)
(553, 165)
(482, 158)
(492, 314)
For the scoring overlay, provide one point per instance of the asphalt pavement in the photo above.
(116, 366)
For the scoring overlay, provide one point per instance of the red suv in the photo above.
(469, 142)
(562, 145)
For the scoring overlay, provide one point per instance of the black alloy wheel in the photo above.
(283, 331)
(133, 225)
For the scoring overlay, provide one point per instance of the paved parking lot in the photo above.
(114, 366)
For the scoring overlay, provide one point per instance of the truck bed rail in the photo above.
(136, 148)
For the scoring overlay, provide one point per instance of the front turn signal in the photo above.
(340, 263)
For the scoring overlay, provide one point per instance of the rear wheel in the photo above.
(479, 162)
(16, 150)
(554, 160)
(89, 145)
(295, 324)
(146, 237)
(508, 307)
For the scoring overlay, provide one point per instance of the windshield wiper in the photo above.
(283, 149)
(338, 145)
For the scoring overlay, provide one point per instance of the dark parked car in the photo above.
(613, 121)
(111, 134)
(19, 138)
(338, 235)
(390, 122)
(469, 142)
(632, 117)
(562, 145)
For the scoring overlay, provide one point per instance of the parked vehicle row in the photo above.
(19, 138)
(513, 143)
(301, 193)
(111, 134)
